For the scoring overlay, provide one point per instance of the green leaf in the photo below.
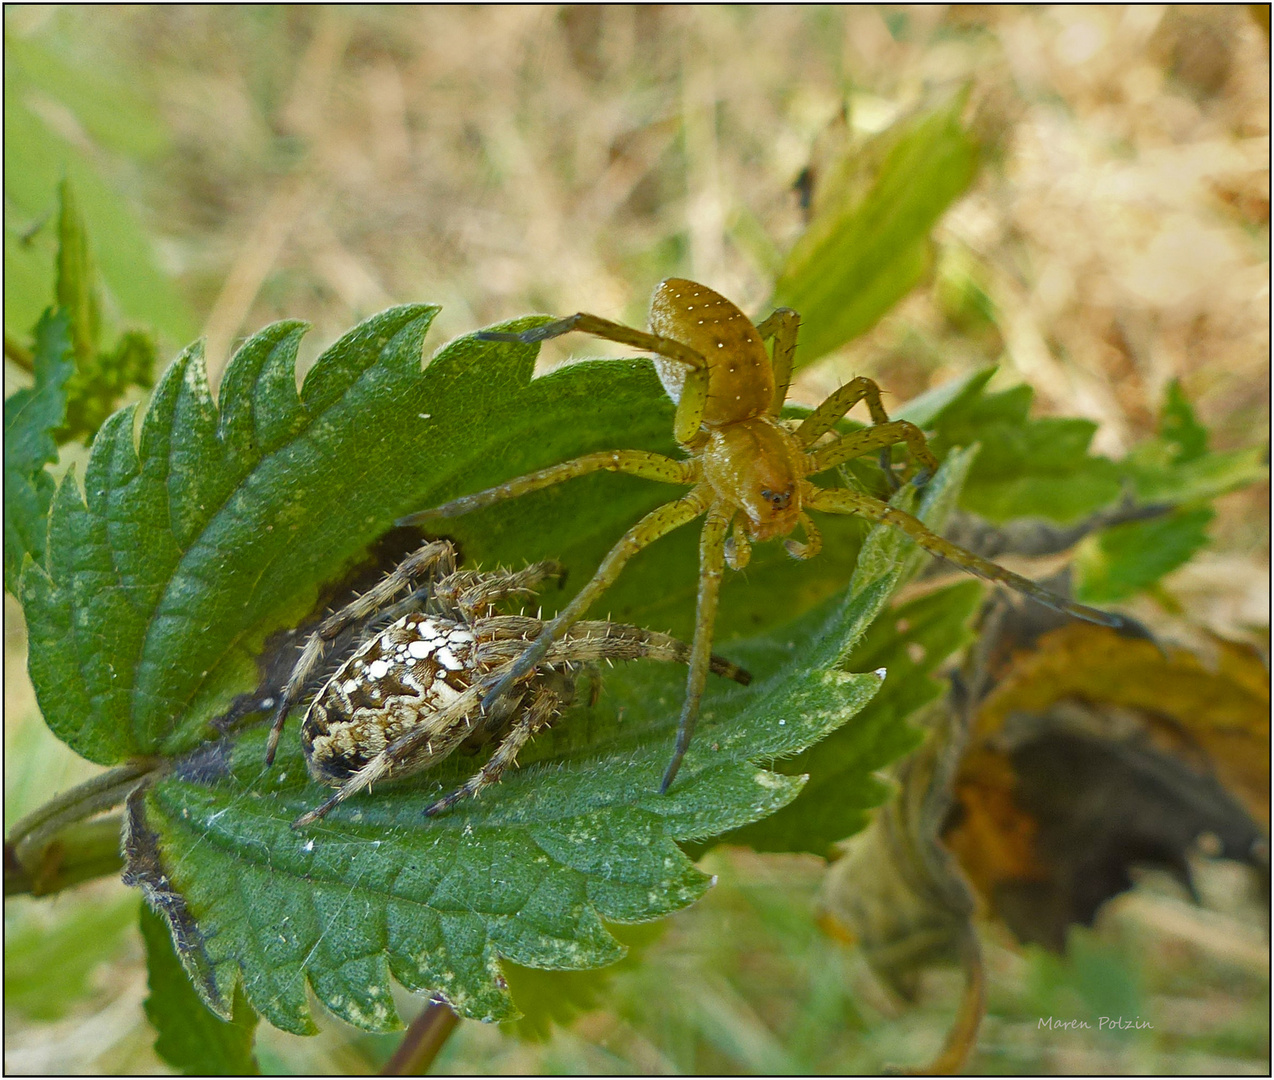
(528, 872)
(218, 527)
(1177, 467)
(48, 963)
(1179, 427)
(31, 416)
(1121, 561)
(189, 1037)
(868, 246)
(1026, 468)
(98, 384)
(909, 643)
(76, 285)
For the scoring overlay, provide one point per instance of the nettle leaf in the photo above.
(908, 643)
(31, 416)
(527, 873)
(1179, 427)
(219, 525)
(1121, 561)
(189, 1037)
(1177, 467)
(1027, 467)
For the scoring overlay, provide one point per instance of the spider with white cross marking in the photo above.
(410, 694)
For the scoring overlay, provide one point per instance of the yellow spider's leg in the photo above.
(659, 522)
(838, 403)
(813, 540)
(856, 443)
(711, 565)
(694, 394)
(738, 548)
(642, 463)
(844, 501)
(782, 325)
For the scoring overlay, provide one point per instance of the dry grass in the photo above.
(328, 162)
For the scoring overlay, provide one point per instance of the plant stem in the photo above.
(81, 852)
(18, 353)
(33, 833)
(421, 1042)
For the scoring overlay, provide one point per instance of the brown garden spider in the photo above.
(747, 470)
(410, 694)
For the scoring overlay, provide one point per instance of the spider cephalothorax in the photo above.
(747, 470)
(410, 693)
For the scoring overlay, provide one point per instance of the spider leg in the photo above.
(694, 393)
(782, 325)
(594, 640)
(738, 548)
(837, 404)
(437, 553)
(844, 501)
(711, 566)
(642, 463)
(541, 711)
(813, 540)
(472, 593)
(856, 443)
(661, 520)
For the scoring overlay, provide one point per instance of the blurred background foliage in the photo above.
(238, 165)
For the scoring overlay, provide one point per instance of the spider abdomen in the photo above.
(394, 684)
(740, 379)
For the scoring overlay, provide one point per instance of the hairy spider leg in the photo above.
(782, 324)
(837, 404)
(738, 548)
(471, 592)
(694, 393)
(431, 556)
(844, 501)
(711, 567)
(504, 637)
(538, 715)
(659, 522)
(856, 443)
(597, 640)
(642, 463)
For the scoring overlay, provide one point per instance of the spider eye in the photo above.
(777, 499)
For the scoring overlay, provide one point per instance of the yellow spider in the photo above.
(746, 469)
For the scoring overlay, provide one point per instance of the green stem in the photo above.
(81, 852)
(33, 833)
